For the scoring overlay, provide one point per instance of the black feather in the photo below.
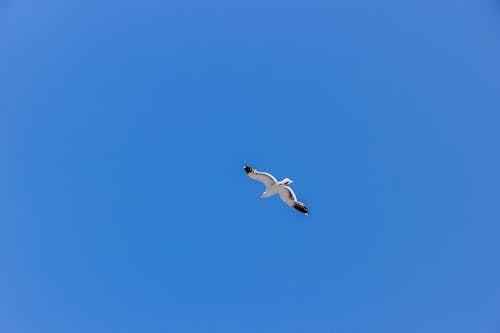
(301, 208)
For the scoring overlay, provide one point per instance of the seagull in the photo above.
(273, 186)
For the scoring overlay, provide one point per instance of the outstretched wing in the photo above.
(288, 196)
(264, 177)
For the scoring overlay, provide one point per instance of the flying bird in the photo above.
(273, 186)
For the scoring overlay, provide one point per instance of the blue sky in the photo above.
(124, 127)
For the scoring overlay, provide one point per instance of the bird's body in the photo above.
(277, 187)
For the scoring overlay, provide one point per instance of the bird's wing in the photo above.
(288, 196)
(264, 177)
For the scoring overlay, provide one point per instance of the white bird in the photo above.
(273, 186)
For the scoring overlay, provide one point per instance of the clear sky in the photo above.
(124, 127)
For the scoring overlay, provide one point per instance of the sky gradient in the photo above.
(125, 126)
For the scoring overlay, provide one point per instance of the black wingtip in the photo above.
(248, 169)
(301, 208)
